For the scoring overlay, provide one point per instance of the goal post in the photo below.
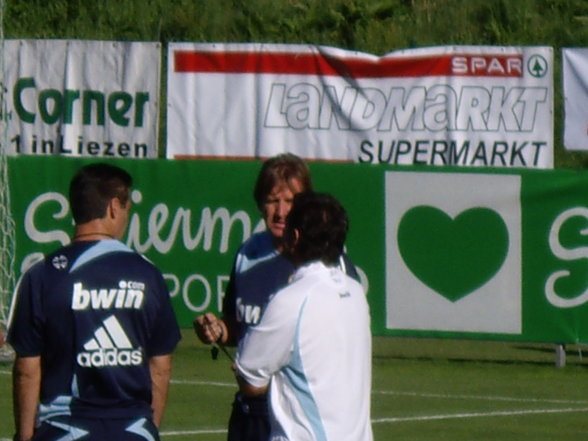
(7, 227)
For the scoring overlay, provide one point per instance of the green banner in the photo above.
(460, 253)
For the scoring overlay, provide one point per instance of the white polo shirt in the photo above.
(313, 344)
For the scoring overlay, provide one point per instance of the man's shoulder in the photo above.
(267, 276)
(256, 244)
(317, 273)
(258, 248)
(84, 255)
(298, 284)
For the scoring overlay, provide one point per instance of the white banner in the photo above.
(575, 89)
(83, 98)
(465, 105)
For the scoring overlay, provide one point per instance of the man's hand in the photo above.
(209, 328)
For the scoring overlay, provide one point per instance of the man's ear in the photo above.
(292, 238)
(114, 207)
(296, 232)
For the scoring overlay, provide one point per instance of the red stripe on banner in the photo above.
(324, 65)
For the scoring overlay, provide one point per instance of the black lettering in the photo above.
(499, 149)
(438, 152)
(141, 150)
(58, 146)
(403, 147)
(16, 141)
(109, 151)
(455, 157)
(47, 146)
(517, 152)
(537, 145)
(381, 159)
(364, 149)
(418, 151)
(62, 149)
(80, 145)
(480, 154)
(124, 149)
(93, 148)
(439, 149)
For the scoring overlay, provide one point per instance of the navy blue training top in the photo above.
(259, 272)
(95, 312)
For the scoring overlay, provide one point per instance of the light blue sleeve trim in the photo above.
(102, 247)
(296, 377)
(60, 406)
(138, 428)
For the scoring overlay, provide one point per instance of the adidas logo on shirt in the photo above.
(110, 347)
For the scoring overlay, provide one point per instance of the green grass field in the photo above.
(423, 390)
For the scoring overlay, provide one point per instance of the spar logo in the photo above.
(491, 65)
(499, 65)
(109, 347)
(537, 66)
(453, 252)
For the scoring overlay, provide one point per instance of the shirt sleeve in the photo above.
(268, 346)
(165, 334)
(228, 310)
(25, 328)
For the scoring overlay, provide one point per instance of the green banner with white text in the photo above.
(483, 253)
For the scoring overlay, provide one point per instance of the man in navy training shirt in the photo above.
(259, 270)
(93, 327)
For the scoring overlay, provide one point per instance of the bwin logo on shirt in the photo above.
(128, 295)
(250, 314)
(110, 347)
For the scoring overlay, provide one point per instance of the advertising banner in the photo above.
(452, 105)
(478, 253)
(82, 98)
(453, 247)
(575, 92)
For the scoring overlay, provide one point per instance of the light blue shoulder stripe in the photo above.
(297, 378)
(246, 264)
(102, 247)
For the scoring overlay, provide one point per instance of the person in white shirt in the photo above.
(312, 347)
(259, 270)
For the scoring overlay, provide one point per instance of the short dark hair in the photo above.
(93, 187)
(281, 168)
(322, 225)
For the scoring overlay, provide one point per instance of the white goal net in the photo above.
(7, 230)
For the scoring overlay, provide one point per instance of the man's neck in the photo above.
(91, 231)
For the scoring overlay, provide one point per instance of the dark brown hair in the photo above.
(93, 187)
(322, 225)
(281, 168)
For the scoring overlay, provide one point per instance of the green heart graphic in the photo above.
(452, 256)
